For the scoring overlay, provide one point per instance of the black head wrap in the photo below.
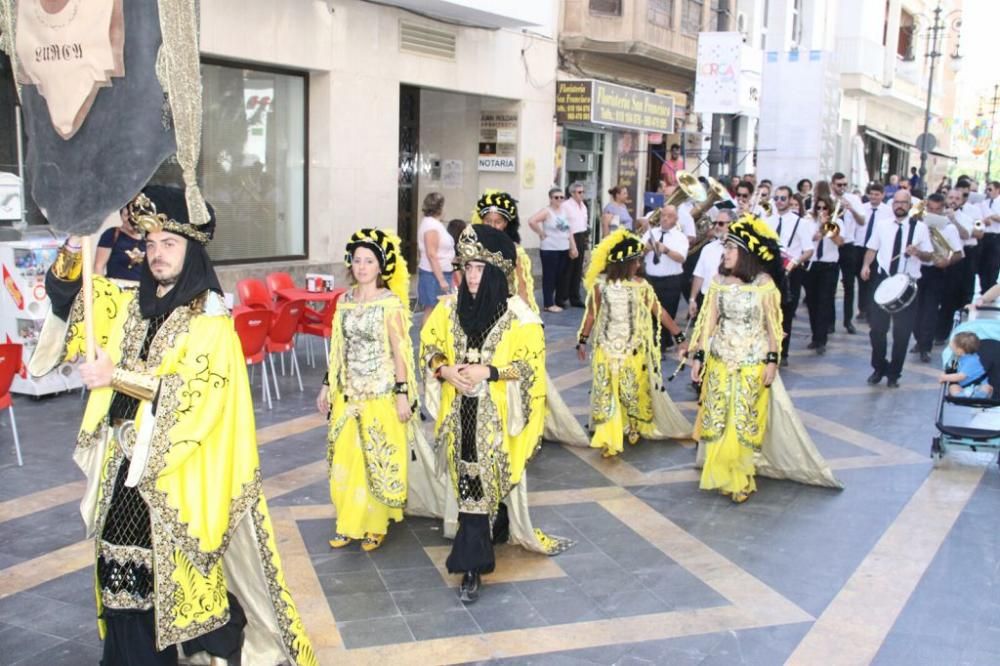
(478, 313)
(167, 206)
(505, 205)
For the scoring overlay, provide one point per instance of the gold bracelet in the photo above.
(138, 385)
(508, 374)
(68, 264)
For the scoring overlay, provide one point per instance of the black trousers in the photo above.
(902, 324)
(970, 269)
(789, 304)
(554, 264)
(952, 296)
(668, 293)
(570, 287)
(930, 289)
(821, 288)
(850, 269)
(989, 261)
(689, 265)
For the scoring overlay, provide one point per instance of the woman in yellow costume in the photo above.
(370, 392)
(627, 394)
(746, 423)
(484, 353)
(499, 210)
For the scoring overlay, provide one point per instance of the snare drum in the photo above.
(896, 293)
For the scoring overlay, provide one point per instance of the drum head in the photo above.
(895, 293)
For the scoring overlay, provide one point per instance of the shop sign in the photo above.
(728, 75)
(613, 105)
(497, 141)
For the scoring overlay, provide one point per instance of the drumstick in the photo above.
(684, 359)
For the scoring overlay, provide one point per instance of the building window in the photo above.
(608, 7)
(658, 13)
(253, 161)
(716, 16)
(907, 30)
(763, 24)
(691, 19)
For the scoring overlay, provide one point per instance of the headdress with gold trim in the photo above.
(618, 246)
(479, 242)
(164, 208)
(497, 201)
(392, 265)
(756, 237)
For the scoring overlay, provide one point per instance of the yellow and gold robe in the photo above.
(368, 445)
(194, 462)
(627, 397)
(510, 414)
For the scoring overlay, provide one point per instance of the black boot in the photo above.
(470, 587)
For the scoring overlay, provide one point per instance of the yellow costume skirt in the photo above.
(368, 456)
(620, 401)
(731, 424)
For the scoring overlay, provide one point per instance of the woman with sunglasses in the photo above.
(746, 423)
(557, 247)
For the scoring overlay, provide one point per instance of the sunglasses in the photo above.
(558, 196)
(842, 183)
(721, 224)
(822, 209)
(742, 196)
(780, 197)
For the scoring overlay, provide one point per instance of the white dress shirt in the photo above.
(708, 264)
(676, 241)
(950, 234)
(801, 241)
(966, 215)
(884, 238)
(685, 220)
(830, 253)
(883, 212)
(990, 207)
(849, 225)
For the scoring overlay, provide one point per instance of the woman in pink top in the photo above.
(437, 250)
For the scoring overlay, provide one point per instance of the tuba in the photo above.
(688, 187)
(935, 223)
(702, 222)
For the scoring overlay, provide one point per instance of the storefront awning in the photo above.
(885, 138)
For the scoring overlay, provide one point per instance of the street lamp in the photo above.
(952, 23)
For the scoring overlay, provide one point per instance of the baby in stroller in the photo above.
(969, 378)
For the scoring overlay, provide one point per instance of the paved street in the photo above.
(898, 568)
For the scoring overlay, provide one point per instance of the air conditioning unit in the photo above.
(580, 160)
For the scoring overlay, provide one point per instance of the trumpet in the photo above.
(978, 225)
(830, 228)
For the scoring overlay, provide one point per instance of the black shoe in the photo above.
(940, 343)
(784, 361)
(914, 349)
(820, 350)
(563, 305)
(849, 327)
(811, 345)
(893, 382)
(874, 378)
(578, 304)
(862, 316)
(470, 587)
(925, 357)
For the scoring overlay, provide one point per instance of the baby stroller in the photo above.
(972, 423)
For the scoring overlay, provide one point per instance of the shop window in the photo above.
(608, 7)
(658, 13)
(253, 161)
(691, 19)
(907, 30)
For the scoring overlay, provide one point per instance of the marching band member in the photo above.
(746, 423)
(795, 237)
(627, 396)
(932, 288)
(666, 249)
(371, 389)
(708, 263)
(873, 211)
(967, 214)
(895, 247)
(821, 275)
(989, 257)
(850, 254)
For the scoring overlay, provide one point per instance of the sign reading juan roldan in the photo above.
(609, 104)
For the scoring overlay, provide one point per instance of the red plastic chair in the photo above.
(253, 293)
(252, 326)
(10, 364)
(281, 338)
(277, 281)
(321, 329)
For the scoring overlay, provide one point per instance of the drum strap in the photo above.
(909, 242)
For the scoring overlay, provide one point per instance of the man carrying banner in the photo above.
(186, 555)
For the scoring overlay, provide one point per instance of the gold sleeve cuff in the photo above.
(436, 362)
(68, 264)
(508, 374)
(136, 384)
